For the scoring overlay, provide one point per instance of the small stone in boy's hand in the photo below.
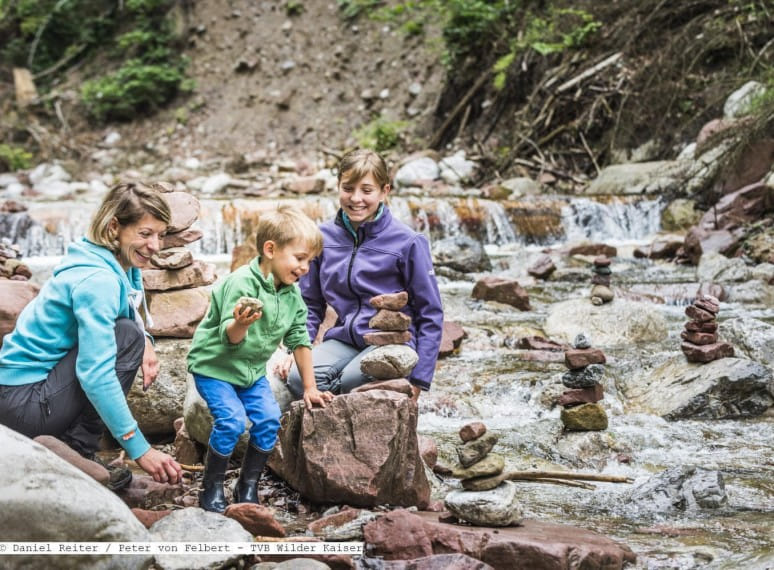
(251, 303)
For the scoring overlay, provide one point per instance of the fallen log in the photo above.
(487, 483)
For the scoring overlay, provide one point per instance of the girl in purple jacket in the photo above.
(367, 252)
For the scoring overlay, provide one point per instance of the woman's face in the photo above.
(139, 241)
(361, 198)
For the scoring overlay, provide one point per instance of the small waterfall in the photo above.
(227, 223)
(615, 220)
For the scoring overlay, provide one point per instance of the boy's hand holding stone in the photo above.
(248, 310)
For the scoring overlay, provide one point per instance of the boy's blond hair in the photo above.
(285, 225)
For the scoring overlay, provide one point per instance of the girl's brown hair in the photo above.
(127, 203)
(358, 163)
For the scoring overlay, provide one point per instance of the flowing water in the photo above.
(491, 381)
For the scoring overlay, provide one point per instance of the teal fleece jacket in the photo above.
(283, 320)
(80, 304)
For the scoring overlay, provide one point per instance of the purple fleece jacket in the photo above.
(386, 257)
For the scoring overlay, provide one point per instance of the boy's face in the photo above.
(287, 263)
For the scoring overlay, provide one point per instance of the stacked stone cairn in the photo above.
(581, 410)
(11, 265)
(392, 360)
(176, 287)
(700, 337)
(496, 506)
(601, 292)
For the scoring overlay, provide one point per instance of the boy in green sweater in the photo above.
(237, 337)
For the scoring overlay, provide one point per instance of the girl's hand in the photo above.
(245, 316)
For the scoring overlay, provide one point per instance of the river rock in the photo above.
(196, 274)
(722, 389)
(399, 385)
(665, 178)
(361, 449)
(14, 296)
(496, 507)
(176, 313)
(181, 238)
(382, 338)
(585, 417)
(255, 519)
(492, 464)
(44, 498)
(542, 268)
(613, 324)
(185, 210)
(751, 337)
(157, 408)
(680, 488)
(460, 253)
(172, 258)
(506, 291)
(472, 431)
(580, 358)
(581, 396)
(197, 525)
(389, 362)
(387, 320)
(585, 377)
(390, 301)
(451, 338)
(402, 535)
(706, 352)
(475, 450)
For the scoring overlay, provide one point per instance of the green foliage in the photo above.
(135, 88)
(352, 9)
(562, 29)
(294, 8)
(380, 134)
(14, 158)
(501, 69)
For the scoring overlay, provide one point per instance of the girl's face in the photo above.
(139, 241)
(361, 198)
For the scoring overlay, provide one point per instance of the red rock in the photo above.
(699, 337)
(401, 535)
(597, 249)
(697, 314)
(706, 326)
(387, 320)
(472, 431)
(391, 301)
(400, 385)
(506, 291)
(581, 357)
(451, 339)
(255, 519)
(147, 517)
(707, 352)
(539, 343)
(335, 520)
(387, 337)
(578, 396)
(542, 268)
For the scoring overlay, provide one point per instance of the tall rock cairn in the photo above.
(581, 410)
(700, 337)
(392, 359)
(601, 292)
(177, 291)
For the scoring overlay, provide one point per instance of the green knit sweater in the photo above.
(283, 320)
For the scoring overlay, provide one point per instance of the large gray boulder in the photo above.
(44, 498)
(722, 389)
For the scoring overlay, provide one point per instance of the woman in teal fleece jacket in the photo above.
(66, 367)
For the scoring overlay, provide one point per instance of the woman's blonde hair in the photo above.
(356, 164)
(285, 225)
(127, 203)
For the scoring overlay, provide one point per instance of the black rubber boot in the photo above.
(212, 497)
(252, 466)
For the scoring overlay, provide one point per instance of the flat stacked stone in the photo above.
(580, 408)
(600, 280)
(392, 359)
(177, 286)
(700, 337)
(11, 265)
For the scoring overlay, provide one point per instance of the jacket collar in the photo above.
(366, 229)
(265, 283)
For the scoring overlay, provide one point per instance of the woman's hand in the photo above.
(313, 396)
(160, 466)
(150, 365)
(282, 368)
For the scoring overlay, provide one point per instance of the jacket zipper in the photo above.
(357, 243)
